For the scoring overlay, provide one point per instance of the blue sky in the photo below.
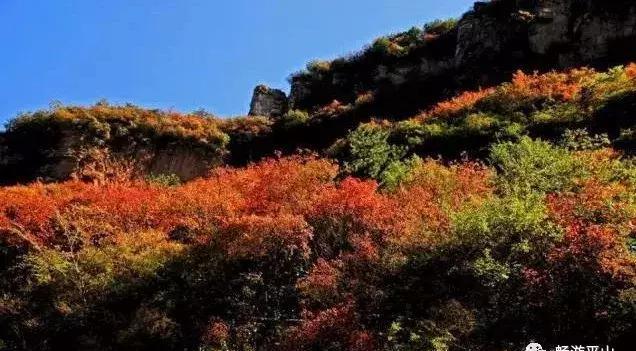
(182, 54)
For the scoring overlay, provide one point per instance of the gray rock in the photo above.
(552, 27)
(268, 102)
(578, 31)
(299, 91)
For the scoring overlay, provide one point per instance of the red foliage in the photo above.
(216, 334)
(593, 220)
(322, 281)
(336, 325)
(356, 204)
(553, 85)
(362, 341)
(460, 103)
(254, 235)
(29, 210)
(434, 190)
(334, 108)
(561, 86)
(631, 70)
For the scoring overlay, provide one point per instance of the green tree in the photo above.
(534, 166)
(374, 157)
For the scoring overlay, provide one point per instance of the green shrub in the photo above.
(510, 131)
(398, 171)
(413, 133)
(372, 156)
(531, 166)
(480, 123)
(440, 26)
(294, 118)
(164, 179)
(371, 151)
(413, 35)
(500, 234)
(386, 46)
(580, 140)
(560, 114)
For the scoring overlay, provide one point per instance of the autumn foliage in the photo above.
(528, 237)
(331, 256)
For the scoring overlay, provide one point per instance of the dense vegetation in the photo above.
(284, 254)
(396, 206)
(528, 235)
(576, 105)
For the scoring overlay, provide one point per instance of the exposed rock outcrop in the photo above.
(488, 44)
(105, 141)
(184, 162)
(563, 32)
(71, 158)
(268, 102)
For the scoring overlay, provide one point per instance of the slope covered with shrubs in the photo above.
(523, 230)
(577, 106)
(286, 255)
(373, 215)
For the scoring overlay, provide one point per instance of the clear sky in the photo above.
(182, 54)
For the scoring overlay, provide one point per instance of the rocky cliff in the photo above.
(485, 47)
(104, 141)
(268, 102)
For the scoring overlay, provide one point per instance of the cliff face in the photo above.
(563, 32)
(268, 102)
(101, 142)
(488, 43)
(70, 156)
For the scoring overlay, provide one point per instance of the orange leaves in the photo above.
(593, 203)
(246, 126)
(252, 210)
(553, 85)
(166, 123)
(334, 108)
(595, 221)
(288, 203)
(365, 98)
(460, 103)
(560, 86)
(631, 70)
(29, 210)
(253, 236)
(434, 190)
(356, 200)
(217, 334)
(108, 119)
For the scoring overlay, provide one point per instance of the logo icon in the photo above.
(534, 347)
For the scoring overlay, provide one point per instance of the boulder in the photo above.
(268, 102)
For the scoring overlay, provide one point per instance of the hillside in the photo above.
(396, 78)
(403, 74)
(470, 185)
